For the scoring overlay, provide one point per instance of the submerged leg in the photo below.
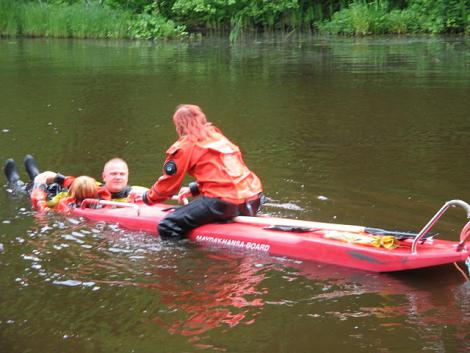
(31, 166)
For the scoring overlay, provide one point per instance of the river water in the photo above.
(369, 131)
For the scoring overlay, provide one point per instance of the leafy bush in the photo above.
(428, 16)
(151, 19)
(151, 25)
(360, 18)
(234, 14)
(438, 16)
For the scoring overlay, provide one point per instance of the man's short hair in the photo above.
(114, 160)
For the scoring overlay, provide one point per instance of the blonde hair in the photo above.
(84, 187)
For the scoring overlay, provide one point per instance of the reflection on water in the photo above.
(199, 292)
(222, 291)
(370, 131)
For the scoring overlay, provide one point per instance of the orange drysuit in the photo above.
(215, 163)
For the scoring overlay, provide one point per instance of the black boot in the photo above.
(31, 167)
(11, 172)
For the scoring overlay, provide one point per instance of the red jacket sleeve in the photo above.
(175, 167)
(64, 181)
(68, 181)
(38, 199)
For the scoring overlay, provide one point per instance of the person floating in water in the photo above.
(115, 178)
(49, 195)
(81, 188)
(47, 189)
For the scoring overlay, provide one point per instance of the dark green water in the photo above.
(359, 131)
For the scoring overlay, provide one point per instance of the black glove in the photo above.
(194, 188)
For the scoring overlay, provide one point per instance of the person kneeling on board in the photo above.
(225, 186)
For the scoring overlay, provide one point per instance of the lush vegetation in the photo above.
(83, 19)
(149, 19)
(413, 16)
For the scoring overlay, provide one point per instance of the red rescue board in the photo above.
(252, 234)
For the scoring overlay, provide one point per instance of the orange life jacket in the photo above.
(216, 164)
(63, 203)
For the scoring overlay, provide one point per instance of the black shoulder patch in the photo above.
(170, 168)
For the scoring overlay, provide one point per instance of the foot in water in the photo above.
(31, 166)
(12, 176)
(11, 172)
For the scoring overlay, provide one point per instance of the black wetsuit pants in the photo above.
(203, 210)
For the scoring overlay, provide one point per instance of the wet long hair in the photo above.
(83, 187)
(190, 120)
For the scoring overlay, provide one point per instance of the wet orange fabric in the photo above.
(66, 204)
(68, 181)
(216, 164)
(39, 199)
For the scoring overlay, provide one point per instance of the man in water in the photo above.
(115, 177)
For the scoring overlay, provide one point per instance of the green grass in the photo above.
(93, 21)
(9, 18)
(79, 20)
(35, 20)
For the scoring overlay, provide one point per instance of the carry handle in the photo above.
(436, 217)
(88, 202)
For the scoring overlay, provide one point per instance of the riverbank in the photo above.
(82, 20)
(183, 18)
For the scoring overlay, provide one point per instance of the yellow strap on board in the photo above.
(377, 241)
